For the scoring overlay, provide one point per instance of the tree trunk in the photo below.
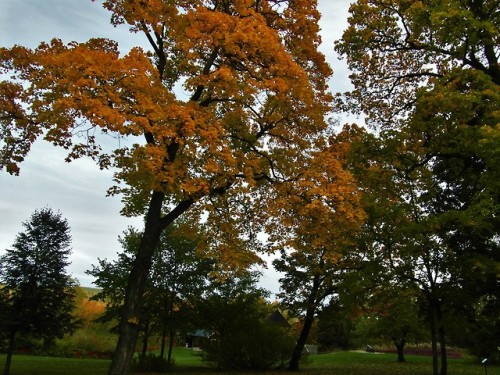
(442, 342)
(432, 323)
(163, 338)
(170, 347)
(144, 350)
(132, 309)
(444, 355)
(301, 342)
(10, 350)
(400, 347)
(130, 321)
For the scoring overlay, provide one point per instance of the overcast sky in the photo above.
(78, 189)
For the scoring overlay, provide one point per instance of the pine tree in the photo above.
(39, 294)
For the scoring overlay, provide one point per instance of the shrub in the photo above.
(264, 346)
(151, 362)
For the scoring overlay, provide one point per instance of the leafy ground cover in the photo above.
(187, 362)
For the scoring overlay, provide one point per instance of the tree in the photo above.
(39, 294)
(394, 316)
(179, 277)
(483, 330)
(427, 75)
(336, 323)
(234, 311)
(408, 234)
(394, 49)
(322, 217)
(256, 88)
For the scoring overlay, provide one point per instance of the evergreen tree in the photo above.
(38, 292)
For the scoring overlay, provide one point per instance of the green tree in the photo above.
(407, 234)
(321, 219)
(427, 75)
(393, 315)
(484, 330)
(256, 100)
(179, 277)
(39, 294)
(234, 311)
(336, 323)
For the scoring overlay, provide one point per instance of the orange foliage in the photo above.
(87, 310)
(257, 97)
(245, 139)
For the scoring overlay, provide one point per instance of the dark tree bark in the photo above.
(400, 347)
(442, 342)
(10, 350)
(132, 311)
(170, 347)
(163, 338)
(312, 305)
(301, 342)
(432, 323)
(144, 350)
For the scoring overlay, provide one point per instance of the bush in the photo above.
(151, 362)
(92, 342)
(263, 347)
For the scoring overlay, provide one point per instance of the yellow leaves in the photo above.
(321, 210)
(139, 14)
(256, 98)
(134, 320)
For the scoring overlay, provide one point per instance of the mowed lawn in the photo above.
(341, 363)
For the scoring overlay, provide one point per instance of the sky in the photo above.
(78, 189)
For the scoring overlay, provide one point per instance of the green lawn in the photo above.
(352, 363)
(34, 365)
(341, 363)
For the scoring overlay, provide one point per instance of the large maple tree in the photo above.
(255, 101)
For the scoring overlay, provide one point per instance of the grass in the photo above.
(359, 363)
(34, 365)
(341, 363)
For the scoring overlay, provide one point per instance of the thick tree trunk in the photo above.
(132, 310)
(400, 347)
(10, 350)
(301, 342)
(130, 321)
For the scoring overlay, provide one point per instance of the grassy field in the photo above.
(342, 363)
